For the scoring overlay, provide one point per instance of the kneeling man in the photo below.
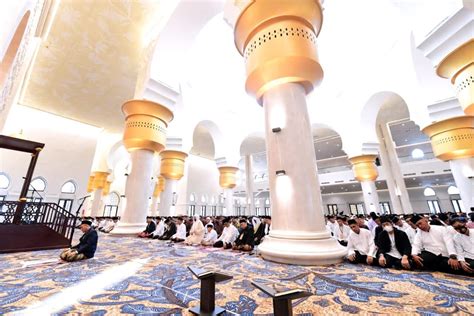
(245, 241)
(86, 247)
(360, 244)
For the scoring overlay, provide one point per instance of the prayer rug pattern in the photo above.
(164, 285)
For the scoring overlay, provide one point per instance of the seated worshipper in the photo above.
(210, 237)
(150, 228)
(86, 247)
(102, 223)
(331, 224)
(361, 221)
(180, 235)
(371, 223)
(245, 240)
(196, 233)
(110, 225)
(394, 246)
(360, 245)
(228, 236)
(263, 229)
(400, 224)
(342, 231)
(433, 247)
(470, 224)
(170, 230)
(464, 245)
(160, 229)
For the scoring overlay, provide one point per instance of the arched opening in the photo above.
(112, 202)
(69, 187)
(207, 140)
(4, 181)
(13, 47)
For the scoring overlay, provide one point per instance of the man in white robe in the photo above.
(196, 233)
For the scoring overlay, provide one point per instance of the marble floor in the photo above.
(149, 277)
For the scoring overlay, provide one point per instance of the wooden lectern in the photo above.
(208, 279)
(282, 297)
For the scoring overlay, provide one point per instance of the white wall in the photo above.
(67, 155)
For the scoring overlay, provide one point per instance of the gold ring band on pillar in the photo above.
(159, 186)
(90, 184)
(228, 177)
(172, 164)
(145, 125)
(452, 138)
(364, 167)
(278, 42)
(100, 179)
(459, 67)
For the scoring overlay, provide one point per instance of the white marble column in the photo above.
(154, 206)
(398, 193)
(463, 173)
(249, 185)
(96, 203)
(229, 202)
(166, 198)
(133, 218)
(371, 198)
(298, 234)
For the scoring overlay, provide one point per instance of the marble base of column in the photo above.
(298, 234)
(166, 198)
(463, 173)
(133, 218)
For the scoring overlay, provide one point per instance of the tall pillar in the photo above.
(145, 134)
(453, 140)
(278, 42)
(365, 171)
(394, 172)
(159, 187)
(228, 181)
(172, 169)
(249, 185)
(99, 183)
(86, 207)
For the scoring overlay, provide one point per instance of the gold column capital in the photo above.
(458, 66)
(228, 177)
(159, 186)
(278, 42)
(100, 179)
(452, 138)
(106, 189)
(90, 184)
(172, 164)
(145, 125)
(364, 167)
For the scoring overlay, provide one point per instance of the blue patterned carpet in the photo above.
(164, 286)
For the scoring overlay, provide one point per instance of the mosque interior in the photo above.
(294, 110)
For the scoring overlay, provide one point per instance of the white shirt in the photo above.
(464, 245)
(363, 242)
(180, 232)
(331, 227)
(393, 249)
(229, 234)
(342, 232)
(437, 241)
(160, 229)
(210, 237)
(409, 231)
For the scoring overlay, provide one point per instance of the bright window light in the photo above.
(429, 192)
(453, 190)
(68, 187)
(4, 181)
(417, 153)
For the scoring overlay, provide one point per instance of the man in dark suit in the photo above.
(170, 229)
(149, 229)
(263, 229)
(394, 246)
(245, 241)
(86, 247)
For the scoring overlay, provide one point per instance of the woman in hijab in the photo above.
(196, 233)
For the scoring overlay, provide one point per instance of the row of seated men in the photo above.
(103, 224)
(443, 242)
(221, 232)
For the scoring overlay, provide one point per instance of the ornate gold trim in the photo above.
(228, 177)
(172, 164)
(364, 167)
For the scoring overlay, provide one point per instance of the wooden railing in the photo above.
(49, 214)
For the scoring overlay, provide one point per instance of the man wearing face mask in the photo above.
(464, 245)
(394, 246)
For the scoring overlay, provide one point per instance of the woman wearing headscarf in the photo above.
(196, 233)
